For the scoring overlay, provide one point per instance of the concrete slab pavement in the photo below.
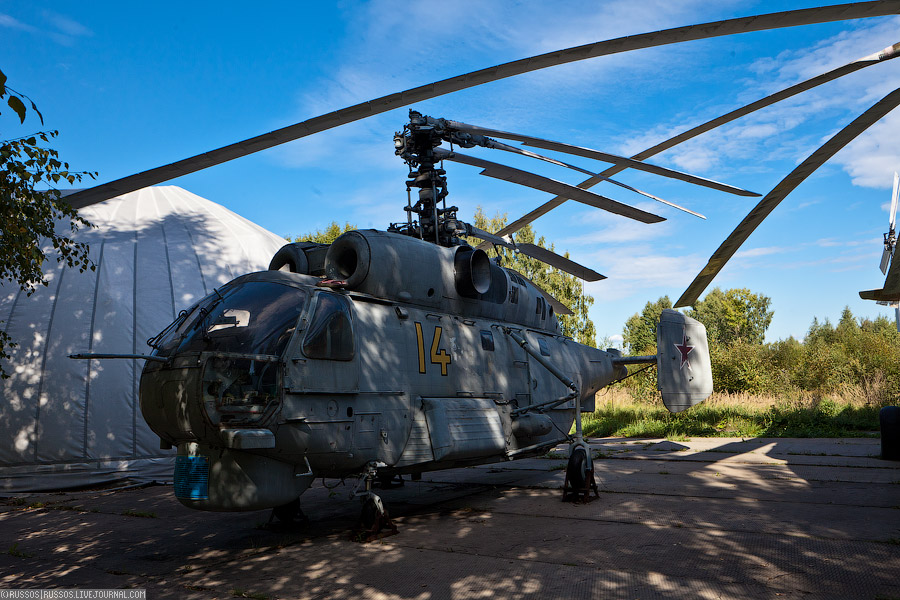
(705, 518)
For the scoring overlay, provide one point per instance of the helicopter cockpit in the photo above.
(235, 337)
(250, 317)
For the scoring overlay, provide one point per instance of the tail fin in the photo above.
(684, 374)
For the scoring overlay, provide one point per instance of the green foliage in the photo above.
(823, 419)
(639, 336)
(324, 236)
(566, 288)
(736, 314)
(29, 216)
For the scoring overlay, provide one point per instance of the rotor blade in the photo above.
(487, 236)
(542, 254)
(894, 196)
(791, 18)
(885, 260)
(867, 61)
(545, 184)
(780, 191)
(494, 144)
(603, 156)
(560, 262)
(558, 307)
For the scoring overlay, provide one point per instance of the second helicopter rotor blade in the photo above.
(779, 192)
(545, 184)
(617, 160)
(790, 18)
(878, 57)
(506, 147)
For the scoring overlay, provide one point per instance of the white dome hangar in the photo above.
(74, 422)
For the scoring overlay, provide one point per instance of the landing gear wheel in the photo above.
(579, 481)
(371, 510)
(289, 514)
(374, 521)
(576, 472)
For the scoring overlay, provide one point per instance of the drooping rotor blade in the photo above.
(617, 160)
(780, 191)
(487, 236)
(867, 61)
(542, 254)
(894, 198)
(501, 146)
(558, 307)
(560, 262)
(545, 184)
(791, 18)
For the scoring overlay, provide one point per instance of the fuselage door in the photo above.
(324, 360)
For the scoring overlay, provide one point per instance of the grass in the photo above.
(14, 551)
(734, 415)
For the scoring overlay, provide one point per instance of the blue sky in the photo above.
(132, 86)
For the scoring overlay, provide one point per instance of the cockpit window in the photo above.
(330, 334)
(255, 317)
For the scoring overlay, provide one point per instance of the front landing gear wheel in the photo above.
(374, 521)
(289, 514)
(579, 478)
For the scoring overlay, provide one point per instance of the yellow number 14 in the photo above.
(438, 356)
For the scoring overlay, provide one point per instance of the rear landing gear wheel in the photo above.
(579, 477)
(576, 472)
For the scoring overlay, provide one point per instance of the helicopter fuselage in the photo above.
(274, 380)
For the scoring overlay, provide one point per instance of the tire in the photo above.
(577, 469)
(890, 432)
(287, 513)
(369, 514)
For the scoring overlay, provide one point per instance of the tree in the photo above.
(325, 236)
(639, 336)
(566, 288)
(29, 217)
(736, 314)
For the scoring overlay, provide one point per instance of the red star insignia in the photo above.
(685, 350)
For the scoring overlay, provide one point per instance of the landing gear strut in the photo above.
(374, 520)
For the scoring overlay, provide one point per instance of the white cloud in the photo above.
(756, 252)
(62, 30)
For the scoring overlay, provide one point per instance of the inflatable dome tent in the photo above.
(68, 423)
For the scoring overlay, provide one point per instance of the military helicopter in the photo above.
(407, 350)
